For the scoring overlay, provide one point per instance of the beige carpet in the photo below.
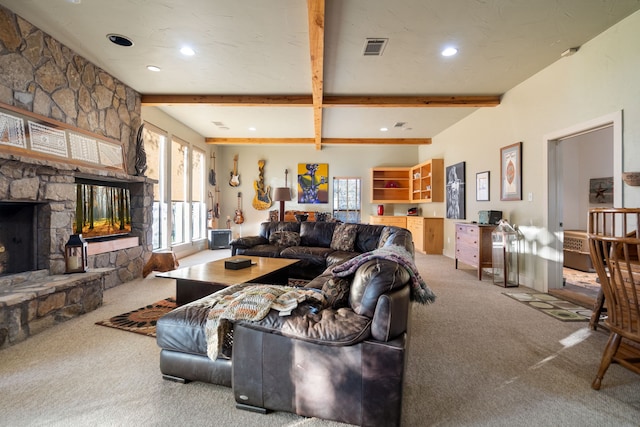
(476, 358)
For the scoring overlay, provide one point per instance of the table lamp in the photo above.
(282, 194)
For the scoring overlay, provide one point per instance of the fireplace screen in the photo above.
(102, 210)
(17, 237)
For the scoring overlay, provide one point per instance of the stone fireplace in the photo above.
(37, 212)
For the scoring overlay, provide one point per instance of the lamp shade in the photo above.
(282, 194)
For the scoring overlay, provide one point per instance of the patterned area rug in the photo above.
(552, 306)
(142, 320)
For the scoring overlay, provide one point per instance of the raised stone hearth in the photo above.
(34, 301)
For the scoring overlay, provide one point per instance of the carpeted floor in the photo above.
(474, 358)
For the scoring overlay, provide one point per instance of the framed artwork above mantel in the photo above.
(32, 135)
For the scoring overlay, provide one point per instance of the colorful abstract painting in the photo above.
(313, 183)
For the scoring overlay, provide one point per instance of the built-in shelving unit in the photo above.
(390, 185)
(427, 181)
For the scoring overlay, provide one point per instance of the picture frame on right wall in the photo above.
(511, 172)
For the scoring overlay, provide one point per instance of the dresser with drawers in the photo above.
(473, 245)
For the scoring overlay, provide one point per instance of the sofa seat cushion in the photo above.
(331, 327)
(338, 257)
(272, 251)
(312, 254)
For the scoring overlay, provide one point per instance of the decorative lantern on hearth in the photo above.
(75, 254)
(504, 240)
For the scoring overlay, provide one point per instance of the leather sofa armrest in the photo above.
(390, 316)
(247, 242)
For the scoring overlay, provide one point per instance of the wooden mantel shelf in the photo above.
(95, 248)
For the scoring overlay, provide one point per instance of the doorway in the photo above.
(562, 147)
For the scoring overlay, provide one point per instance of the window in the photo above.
(179, 198)
(198, 205)
(346, 199)
(155, 143)
(179, 183)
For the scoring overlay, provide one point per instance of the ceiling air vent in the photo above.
(374, 47)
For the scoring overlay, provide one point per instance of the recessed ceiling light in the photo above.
(383, 129)
(450, 51)
(120, 40)
(186, 50)
(252, 129)
(153, 68)
(74, 1)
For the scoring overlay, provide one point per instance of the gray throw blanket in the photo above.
(420, 292)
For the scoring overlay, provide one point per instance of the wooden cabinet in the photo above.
(397, 221)
(428, 234)
(390, 185)
(427, 181)
(473, 245)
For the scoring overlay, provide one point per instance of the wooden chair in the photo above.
(614, 253)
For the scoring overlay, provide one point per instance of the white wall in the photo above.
(343, 160)
(600, 79)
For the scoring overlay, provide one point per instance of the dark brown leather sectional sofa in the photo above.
(343, 362)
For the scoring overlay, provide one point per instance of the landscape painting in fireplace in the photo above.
(102, 210)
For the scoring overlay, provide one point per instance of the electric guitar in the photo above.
(239, 219)
(262, 199)
(235, 178)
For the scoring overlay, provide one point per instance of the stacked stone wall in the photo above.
(41, 75)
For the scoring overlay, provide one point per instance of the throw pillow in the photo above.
(336, 292)
(284, 238)
(344, 237)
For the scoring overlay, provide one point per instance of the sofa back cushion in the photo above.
(316, 233)
(368, 236)
(372, 279)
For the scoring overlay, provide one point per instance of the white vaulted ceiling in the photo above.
(295, 70)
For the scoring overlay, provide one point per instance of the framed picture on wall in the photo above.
(313, 183)
(482, 186)
(455, 191)
(511, 172)
(601, 190)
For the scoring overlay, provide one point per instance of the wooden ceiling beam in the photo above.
(315, 10)
(336, 141)
(229, 100)
(439, 101)
(424, 101)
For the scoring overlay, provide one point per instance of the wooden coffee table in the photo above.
(200, 280)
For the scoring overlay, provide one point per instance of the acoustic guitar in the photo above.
(238, 218)
(235, 177)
